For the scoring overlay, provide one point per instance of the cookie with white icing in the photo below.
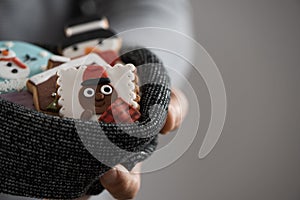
(43, 86)
(101, 93)
(56, 60)
(18, 62)
(104, 42)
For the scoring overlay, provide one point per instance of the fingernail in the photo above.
(121, 168)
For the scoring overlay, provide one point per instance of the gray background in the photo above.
(256, 46)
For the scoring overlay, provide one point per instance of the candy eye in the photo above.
(100, 41)
(75, 48)
(14, 71)
(89, 92)
(106, 89)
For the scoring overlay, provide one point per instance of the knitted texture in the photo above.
(44, 156)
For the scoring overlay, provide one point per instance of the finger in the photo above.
(177, 110)
(121, 183)
(182, 104)
(170, 121)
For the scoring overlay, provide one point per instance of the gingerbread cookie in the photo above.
(18, 61)
(43, 85)
(56, 60)
(102, 93)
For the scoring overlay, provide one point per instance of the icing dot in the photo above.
(134, 104)
(53, 94)
(9, 64)
(14, 71)
(75, 48)
(9, 44)
(43, 54)
(43, 68)
(69, 32)
(131, 67)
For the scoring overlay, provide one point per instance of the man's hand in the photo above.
(121, 183)
(177, 110)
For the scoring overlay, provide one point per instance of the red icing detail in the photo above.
(93, 72)
(16, 61)
(111, 57)
(120, 112)
(19, 63)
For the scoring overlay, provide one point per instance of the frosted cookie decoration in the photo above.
(56, 60)
(43, 86)
(98, 93)
(87, 38)
(18, 62)
(11, 66)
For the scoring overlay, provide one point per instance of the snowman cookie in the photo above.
(18, 62)
(102, 41)
(99, 93)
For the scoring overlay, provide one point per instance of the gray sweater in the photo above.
(43, 21)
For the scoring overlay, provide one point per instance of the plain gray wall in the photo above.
(256, 45)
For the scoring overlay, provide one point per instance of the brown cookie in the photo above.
(92, 92)
(44, 88)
